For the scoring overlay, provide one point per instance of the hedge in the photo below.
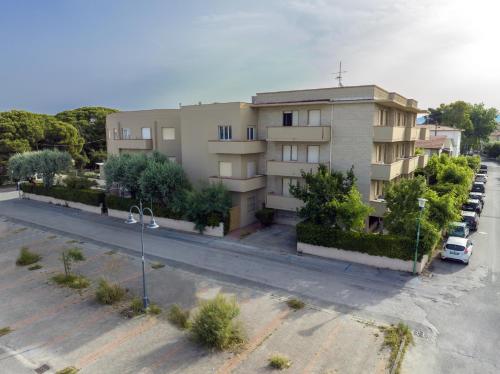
(372, 244)
(123, 203)
(89, 197)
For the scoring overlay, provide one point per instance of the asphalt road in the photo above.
(453, 310)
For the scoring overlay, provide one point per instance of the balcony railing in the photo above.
(422, 160)
(290, 168)
(236, 146)
(134, 143)
(283, 202)
(241, 185)
(410, 164)
(387, 172)
(379, 206)
(298, 134)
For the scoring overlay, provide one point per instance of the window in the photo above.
(314, 117)
(251, 169)
(382, 117)
(168, 133)
(225, 169)
(146, 133)
(380, 153)
(126, 133)
(291, 118)
(225, 133)
(172, 159)
(287, 182)
(251, 133)
(251, 204)
(289, 153)
(313, 153)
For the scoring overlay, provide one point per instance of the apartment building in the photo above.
(258, 149)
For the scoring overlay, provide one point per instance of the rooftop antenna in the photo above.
(339, 74)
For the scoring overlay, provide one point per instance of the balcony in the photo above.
(241, 185)
(298, 134)
(387, 172)
(290, 168)
(143, 144)
(410, 164)
(379, 206)
(411, 134)
(283, 202)
(236, 146)
(422, 160)
(424, 133)
(384, 134)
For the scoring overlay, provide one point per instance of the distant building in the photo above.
(435, 145)
(454, 135)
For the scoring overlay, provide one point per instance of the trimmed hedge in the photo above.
(123, 203)
(89, 197)
(372, 244)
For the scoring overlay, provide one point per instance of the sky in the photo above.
(131, 55)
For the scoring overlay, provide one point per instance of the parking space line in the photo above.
(263, 333)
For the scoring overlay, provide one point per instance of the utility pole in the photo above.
(339, 74)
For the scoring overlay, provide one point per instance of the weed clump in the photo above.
(5, 330)
(108, 293)
(26, 257)
(178, 317)
(71, 280)
(279, 362)
(295, 304)
(157, 265)
(393, 338)
(35, 267)
(68, 370)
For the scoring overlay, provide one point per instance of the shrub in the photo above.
(279, 362)
(35, 267)
(153, 309)
(89, 197)
(79, 183)
(295, 304)
(5, 331)
(124, 204)
(71, 281)
(214, 325)
(265, 216)
(157, 265)
(137, 306)
(492, 149)
(392, 246)
(178, 317)
(26, 257)
(109, 293)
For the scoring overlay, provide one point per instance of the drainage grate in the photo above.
(42, 369)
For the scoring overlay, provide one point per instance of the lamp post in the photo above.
(152, 225)
(421, 206)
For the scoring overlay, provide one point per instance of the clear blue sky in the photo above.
(130, 54)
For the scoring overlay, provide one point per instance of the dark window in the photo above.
(287, 118)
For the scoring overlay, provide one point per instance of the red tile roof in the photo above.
(436, 142)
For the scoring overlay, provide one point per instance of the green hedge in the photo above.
(89, 197)
(373, 244)
(123, 203)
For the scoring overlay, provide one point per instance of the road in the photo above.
(453, 309)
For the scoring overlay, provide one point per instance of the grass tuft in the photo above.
(214, 324)
(157, 265)
(71, 281)
(68, 370)
(178, 317)
(26, 257)
(5, 331)
(279, 362)
(109, 293)
(153, 309)
(295, 304)
(75, 254)
(35, 267)
(393, 338)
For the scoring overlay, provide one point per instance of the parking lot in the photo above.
(59, 327)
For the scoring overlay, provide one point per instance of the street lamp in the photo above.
(421, 206)
(152, 225)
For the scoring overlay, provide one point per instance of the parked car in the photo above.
(471, 219)
(478, 196)
(481, 178)
(473, 205)
(483, 167)
(458, 229)
(457, 249)
(482, 172)
(478, 187)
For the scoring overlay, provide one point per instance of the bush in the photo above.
(137, 306)
(109, 293)
(153, 309)
(123, 203)
(279, 362)
(75, 254)
(71, 281)
(79, 183)
(295, 304)
(392, 246)
(178, 317)
(214, 325)
(492, 149)
(265, 216)
(89, 197)
(26, 257)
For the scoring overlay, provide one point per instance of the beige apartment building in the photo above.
(258, 149)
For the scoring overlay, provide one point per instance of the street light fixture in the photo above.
(152, 225)
(421, 206)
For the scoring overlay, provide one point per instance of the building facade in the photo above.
(454, 136)
(258, 149)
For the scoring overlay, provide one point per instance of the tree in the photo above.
(457, 115)
(483, 124)
(442, 210)
(331, 199)
(492, 149)
(208, 206)
(435, 116)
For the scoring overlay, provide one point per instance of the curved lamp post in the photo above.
(421, 206)
(152, 225)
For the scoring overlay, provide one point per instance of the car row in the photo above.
(459, 246)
